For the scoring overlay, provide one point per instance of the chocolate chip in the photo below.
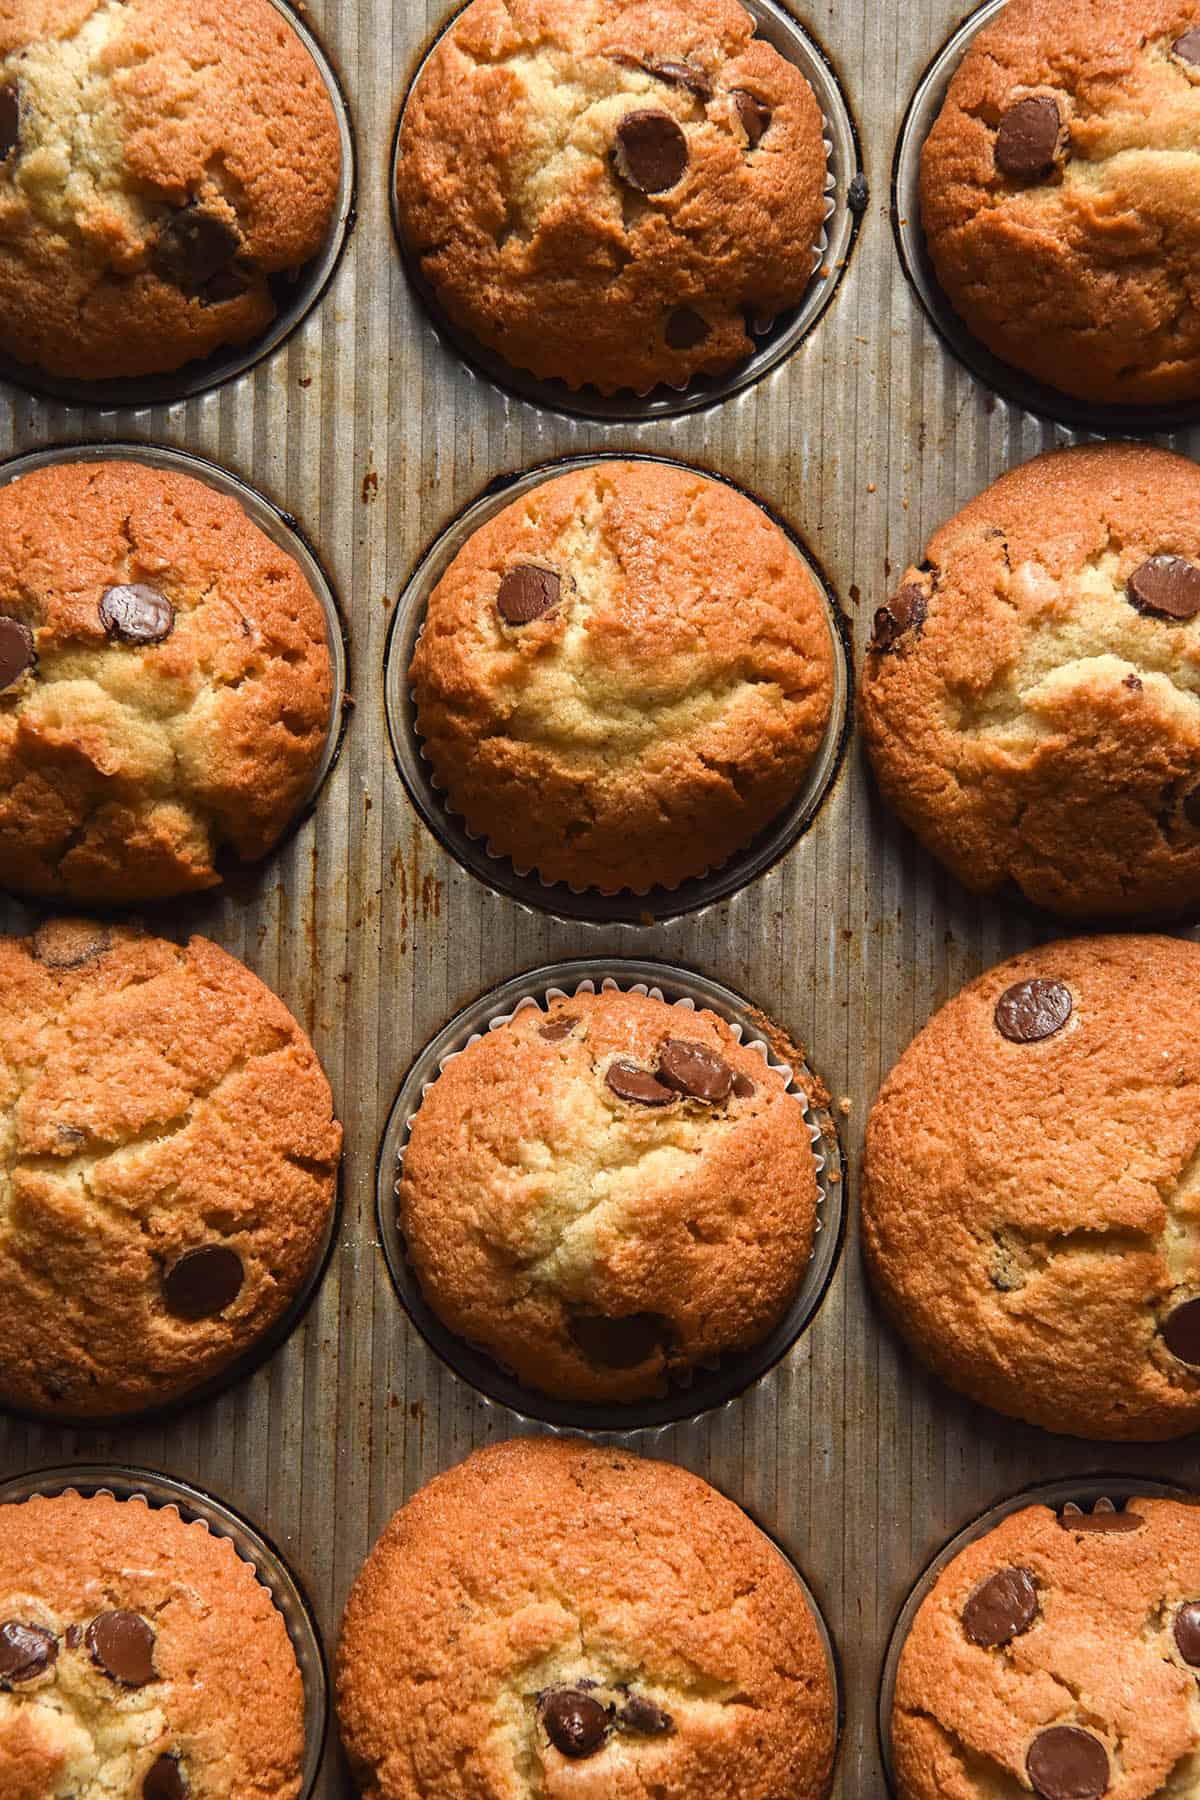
(1001, 1609)
(69, 943)
(1187, 1632)
(743, 1087)
(528, 593)
(752, 115)
(685, 329)
(10, 120)
(1134, 683)
(1065, 1763)
(1181, 1332)
(629, 1082)
(226, 284)
(74, 1636)
(164, 1780)
(557, 1029)
(16, 651)
(906, 611)
(136, 614)
(679, 73)
(694, 1070)
(1031, 1010)
(122, 1644)
(1187, 48)
(1027, 141)
(193, 246)
(620, 1343)
(641, 1715)
(203, 1282)
(1168, 586)
(1103, 1518)
(651, 151)
(26, 1651)
(575, 1723)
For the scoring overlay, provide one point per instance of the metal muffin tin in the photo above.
(590, 905)
(377, 435)
(777, 27)
(193, 1504)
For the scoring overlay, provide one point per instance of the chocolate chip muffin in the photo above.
(1031, 1194)
(168, 1158)
(162, 162)
(607, 1193)
(139, 1657)
(607, 192)
(571, 1623)
(1031, 699)
(1058, 199)
(165, 684)
(1058, 1655)
(624, 677)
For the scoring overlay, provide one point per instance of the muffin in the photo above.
(624, 677)
(1030, 695)
(612, 193)
(1058, 1655)
(165, 684)
(168, 1158)
(139, 1656)
(162, 164)
(1031, 1190)
(608, 1193)
(571, 1623)
(1058, 199)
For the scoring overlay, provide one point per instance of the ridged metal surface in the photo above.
(374, 437)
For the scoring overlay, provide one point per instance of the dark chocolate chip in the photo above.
(69, 943)
(203, 1282)
(1187, 48)
(1134, 683)
(16, 651)
(1031, 1010)
(641, 1715)
(26, 1651)
(906, 611)
(226, 284)
(620, 1343)
(694, 1070)
(1181, 1332)
(528, 593)
(1103, 1519)
(193, 246)
(685, 329)
(651, 151)
(743, 1087)
(679, 73)
(122, 1644)
(752, 115)
(164, 1780)
(1187, 1632)
(858, 194)
(1001, 1608)
(1065, 1763)
(575, 1723)
(10, 120)
(136, 614)
(557, 1029)
(1168, 586)
(630, 1082)
(74, 1636)
(1027, 141)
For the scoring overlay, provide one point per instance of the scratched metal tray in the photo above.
(367, 429)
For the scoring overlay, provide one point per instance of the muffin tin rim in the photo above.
(251, 1544)
(702, 394)
(589, 907)
(611, 1421)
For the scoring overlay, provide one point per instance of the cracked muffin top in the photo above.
(126, 1641)
(165, 684)
(571, 1623)
(1031, 700)
(1060, 195)
(624, 677)
(168, 1159)
(160, 162)
(610, 191)
(1031, 1189)
(1058, 1655)
(607, 1193)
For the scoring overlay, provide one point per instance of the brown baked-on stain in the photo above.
(370, 486)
